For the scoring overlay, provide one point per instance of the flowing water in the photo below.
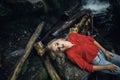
(96, 6)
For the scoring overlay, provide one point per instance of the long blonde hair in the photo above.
(54, 54)
(49, 46)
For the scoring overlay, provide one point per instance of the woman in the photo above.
(87, 53)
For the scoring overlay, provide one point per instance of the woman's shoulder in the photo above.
(72, 34)
(73, 49)
(76, 34)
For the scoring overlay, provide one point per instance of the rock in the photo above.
(15, 55)
(68, 70)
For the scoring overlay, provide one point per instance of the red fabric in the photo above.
(83, 52)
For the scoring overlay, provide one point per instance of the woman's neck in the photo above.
(69, 44)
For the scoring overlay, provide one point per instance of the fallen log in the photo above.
(79, 25)
(68, 23)
(60, 25)
(27, 51)
(73, 10)
(52, 72)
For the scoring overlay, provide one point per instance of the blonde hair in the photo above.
(49, 46)
(54, 54)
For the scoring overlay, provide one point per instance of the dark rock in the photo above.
(68, 70)
(26, 6)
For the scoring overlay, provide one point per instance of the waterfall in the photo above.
(96, 6)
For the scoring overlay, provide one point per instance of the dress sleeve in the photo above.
(88, 37)
(91, 38)
(81, 63)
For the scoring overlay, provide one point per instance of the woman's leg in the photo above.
(100, 60)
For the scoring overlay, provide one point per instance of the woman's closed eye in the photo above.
(56, 44)
(57, 47)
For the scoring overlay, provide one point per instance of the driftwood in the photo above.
(71, 21)
(27, 51)
(68, 13)
(72, 10)
(59, 26)
(52, 72)
(53, 28)
(81, 24)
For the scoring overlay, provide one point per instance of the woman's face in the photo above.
(59, 45)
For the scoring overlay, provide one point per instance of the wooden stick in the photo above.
(52, 72)
(27, 51)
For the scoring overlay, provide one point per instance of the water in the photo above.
(96, 6)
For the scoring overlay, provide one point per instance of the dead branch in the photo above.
(27, 51)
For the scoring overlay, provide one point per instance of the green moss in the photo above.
(43, 75)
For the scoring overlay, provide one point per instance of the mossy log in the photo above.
(27, 51)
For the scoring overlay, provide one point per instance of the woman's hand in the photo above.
(107, 55)
(111, 67)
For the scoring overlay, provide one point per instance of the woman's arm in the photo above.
(108, 56)
(109, 67)
(97, 44)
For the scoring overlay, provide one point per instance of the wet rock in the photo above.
(68, 70)
(12, 58)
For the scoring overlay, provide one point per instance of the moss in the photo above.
(43, 75)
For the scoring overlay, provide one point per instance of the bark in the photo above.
(27, 51)
(52, 72)
(68, 24)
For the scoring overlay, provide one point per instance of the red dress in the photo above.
(83, 52)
